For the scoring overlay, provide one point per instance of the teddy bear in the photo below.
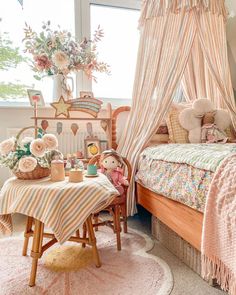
(204, 123)
(111, 165)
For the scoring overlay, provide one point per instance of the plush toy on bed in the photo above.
(210, 132)
(204, 123)
(110, 163)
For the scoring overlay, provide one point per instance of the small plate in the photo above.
(91, 176)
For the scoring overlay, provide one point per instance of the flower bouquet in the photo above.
(29, 158)
(57, 52)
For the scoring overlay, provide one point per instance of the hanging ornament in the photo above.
(44, 124)
(59, 128)
(103, 124)
(74, 127)
(89, 129)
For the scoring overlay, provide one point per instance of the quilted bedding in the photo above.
(182, 172)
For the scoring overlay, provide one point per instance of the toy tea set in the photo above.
(110, 163)
(60, 169)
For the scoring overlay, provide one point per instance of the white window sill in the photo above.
(115, 102)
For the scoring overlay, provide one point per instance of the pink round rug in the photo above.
(130, 271)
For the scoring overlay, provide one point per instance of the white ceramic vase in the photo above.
(61, 87)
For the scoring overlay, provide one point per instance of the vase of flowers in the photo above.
(61, 87)
(56, 53)
(29, 158)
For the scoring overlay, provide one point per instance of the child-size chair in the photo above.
(117, 209)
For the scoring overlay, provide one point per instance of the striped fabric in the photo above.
(168, 32)
(61, 206)
(213, 41)
(201, 156)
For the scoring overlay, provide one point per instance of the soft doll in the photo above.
(110, 163)
(210, 132)
(202, 111)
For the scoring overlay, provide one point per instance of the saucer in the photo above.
(91, 176)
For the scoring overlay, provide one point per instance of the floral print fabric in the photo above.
(180, 182)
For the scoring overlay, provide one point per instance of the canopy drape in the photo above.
(194, 77)
(165, 46)
(179, 40)
(197, 81)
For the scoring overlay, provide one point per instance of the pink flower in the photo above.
(42, 62)
(50, 141)
(7, 146)
(37, 148)
(27, 164)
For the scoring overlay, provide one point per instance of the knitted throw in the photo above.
(219, 228)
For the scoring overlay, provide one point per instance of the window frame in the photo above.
(82, 28)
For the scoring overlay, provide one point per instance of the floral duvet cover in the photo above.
(179, 181)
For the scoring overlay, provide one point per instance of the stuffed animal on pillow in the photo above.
(210, 133)
(204, 123)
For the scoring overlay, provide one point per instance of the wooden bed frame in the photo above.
(183, 220)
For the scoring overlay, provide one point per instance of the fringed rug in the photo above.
(69, 269)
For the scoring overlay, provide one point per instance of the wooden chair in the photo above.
(117, 209)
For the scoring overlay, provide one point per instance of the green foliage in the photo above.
(11, 90)
(40, 133)
(10, 56)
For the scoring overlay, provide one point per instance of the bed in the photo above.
(180, 209)
(173, 181)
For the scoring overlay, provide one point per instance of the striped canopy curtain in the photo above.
(197, 81)
(194, 78)
(212, 37)
(207, 74)
(167, 32)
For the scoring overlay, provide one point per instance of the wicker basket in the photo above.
(38, 172)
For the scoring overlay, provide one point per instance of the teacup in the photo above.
(92, 170)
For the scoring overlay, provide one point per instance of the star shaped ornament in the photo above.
(62, 107)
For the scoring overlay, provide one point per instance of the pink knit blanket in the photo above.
(219, 228)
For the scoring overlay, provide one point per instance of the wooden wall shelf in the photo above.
(72, 118)
(103, 115)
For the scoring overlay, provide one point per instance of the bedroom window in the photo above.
(15, 74)
(118, 49)
(118, 19)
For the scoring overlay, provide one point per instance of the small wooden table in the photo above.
(38, 248)
(61, 206)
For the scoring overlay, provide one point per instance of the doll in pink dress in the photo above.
(110, 163)
(210, 132)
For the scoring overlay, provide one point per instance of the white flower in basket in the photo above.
(29, 158)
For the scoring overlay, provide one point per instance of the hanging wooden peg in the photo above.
(74, 127)
(59, 127)
(44, 124)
